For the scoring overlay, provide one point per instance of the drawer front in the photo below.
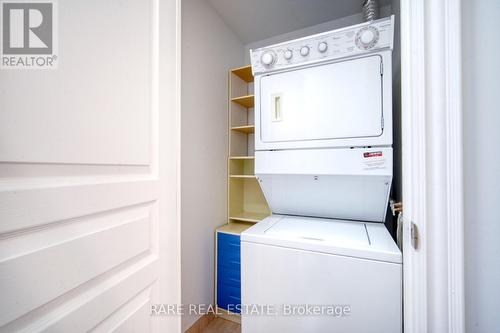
(230, 260)
(230, 277)
(228, 242)
(228, 297)
(228, 251)
(228, 271)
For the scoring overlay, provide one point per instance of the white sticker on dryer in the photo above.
(374, 160)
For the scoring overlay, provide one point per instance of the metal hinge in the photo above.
(396, 207)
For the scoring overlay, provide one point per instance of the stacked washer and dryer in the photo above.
(324, 160)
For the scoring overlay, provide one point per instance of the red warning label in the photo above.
(372, 154)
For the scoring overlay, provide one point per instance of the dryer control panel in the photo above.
(359, 39)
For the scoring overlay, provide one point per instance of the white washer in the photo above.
(351, 272)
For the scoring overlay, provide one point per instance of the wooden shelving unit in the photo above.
(247, 129)
(241, 157)
(246, 202)
(244, 73)
(242, 176)
(234, 228)
(248, 217)
(245, 101)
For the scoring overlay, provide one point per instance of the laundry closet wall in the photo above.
(209, 49)
(481, 82)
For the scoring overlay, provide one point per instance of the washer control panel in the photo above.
(362, 38)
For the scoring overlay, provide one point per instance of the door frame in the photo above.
(167, 139)
(433, 274)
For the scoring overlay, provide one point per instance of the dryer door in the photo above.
(336, 101)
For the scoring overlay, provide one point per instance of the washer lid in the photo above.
(347, 238)
(338, 232)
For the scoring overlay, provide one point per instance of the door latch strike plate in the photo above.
(414, 235)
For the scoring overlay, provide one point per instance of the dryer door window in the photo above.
(335, 101)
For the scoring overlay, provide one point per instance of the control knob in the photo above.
(367, 37)
(288, 54)
(267, 58)
(304, 50)
(322, 47)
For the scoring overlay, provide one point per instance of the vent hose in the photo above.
(370, 10)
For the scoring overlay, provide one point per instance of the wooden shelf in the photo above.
(246, 204)
(242, 167)
(249, 216)
(245, 101)
(242, 157)
(247, 129)
(244, 73)
(235, 228)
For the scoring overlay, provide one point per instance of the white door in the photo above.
(88, 228)
(340, 100)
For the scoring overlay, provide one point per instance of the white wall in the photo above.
(209, 49)
(481, 53)
(330, 25)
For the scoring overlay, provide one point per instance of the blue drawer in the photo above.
(228, 297)
(228, 271)
(230, 277)
(228, 251)
(228, 242)
(228, 259)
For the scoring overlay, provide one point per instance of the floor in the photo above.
(219, 325)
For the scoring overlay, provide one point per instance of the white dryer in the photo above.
(339, 96)
(323, 123)
(323, 140)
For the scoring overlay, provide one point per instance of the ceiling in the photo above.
(254, 20)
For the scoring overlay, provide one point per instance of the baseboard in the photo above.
(224, 314)
(201, 323)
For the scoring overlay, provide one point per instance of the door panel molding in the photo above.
(94, 301)
(69, 202)
(89, 209)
